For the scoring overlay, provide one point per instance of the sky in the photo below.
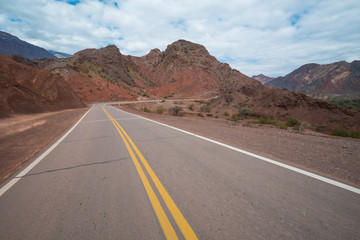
(273, 37)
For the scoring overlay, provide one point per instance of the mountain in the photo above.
(59, 54)
(99, 74)
(26, 89)
(262, 78)
(339, 79)
(11, 45)
(187, 70)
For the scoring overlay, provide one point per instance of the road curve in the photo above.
(119, 176)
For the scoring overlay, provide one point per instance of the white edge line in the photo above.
(295, 169)
(37, 160)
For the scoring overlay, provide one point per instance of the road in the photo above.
(119, 176)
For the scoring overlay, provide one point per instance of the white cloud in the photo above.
(254, 36)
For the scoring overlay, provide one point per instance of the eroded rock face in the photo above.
(187, 70)
(26, 89)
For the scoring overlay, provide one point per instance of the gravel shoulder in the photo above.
(22, 137)
(335, 157)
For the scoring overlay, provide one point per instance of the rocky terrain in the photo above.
(11, 45)
(26, 89)
(187, 70)
(336, 80)
(262, 78)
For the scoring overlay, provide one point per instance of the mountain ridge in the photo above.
(12, 45)
(340, 79)
(187, 70)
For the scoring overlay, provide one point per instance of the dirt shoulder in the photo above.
(22, 137)
(335, 157)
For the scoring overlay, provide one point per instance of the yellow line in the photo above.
(164, 221)
(177, 215)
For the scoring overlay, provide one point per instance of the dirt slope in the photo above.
(27, 89)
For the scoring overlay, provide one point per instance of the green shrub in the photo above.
(176, 111)
(292, 122)
(276, 123)
(209, 115)
(340, 131)
(191, 107)
(226, 114)
(160, 109)
(235, 118)
(205, 108)
(245, 112)
(145, 109)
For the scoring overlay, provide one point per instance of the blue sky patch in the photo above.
(294, 19)
(71, 2)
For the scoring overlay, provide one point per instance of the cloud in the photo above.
(271, 37)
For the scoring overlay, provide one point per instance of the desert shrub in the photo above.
(145, 109)
(205, 108)
(226, 114)
(273, 122)
(340, 131)
(209, 115)
(191, 107)
(349, 103)
(245, 112)
(292, 122)
(160, 109)
(176, 111)
(235, 118)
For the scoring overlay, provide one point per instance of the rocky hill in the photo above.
(187, 70)
(11, 45)
(262, 78)
(26, 89)
(340, 79)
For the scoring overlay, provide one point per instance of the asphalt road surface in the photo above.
(119, 176)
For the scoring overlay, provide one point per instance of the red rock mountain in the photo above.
(262, 78)
(26, 89)
(340, 79)
(187, 70)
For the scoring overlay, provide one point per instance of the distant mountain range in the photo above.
(262, 78)
(183, 70)
(59, 54)
(335, 80)
(11, 45)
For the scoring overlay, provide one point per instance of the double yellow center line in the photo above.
(165, 224)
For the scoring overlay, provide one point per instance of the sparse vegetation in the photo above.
(226, 114)
(273, 122)
(205, 108)
(160, 109)
(176, 111)
(145, 109)
(202, 102)
(340, 131)
(169, 95)
(191, 107)
(292, 122)
(298, 125)
(209, 115)
(349, 104)
(236, 118)
(245, 112)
